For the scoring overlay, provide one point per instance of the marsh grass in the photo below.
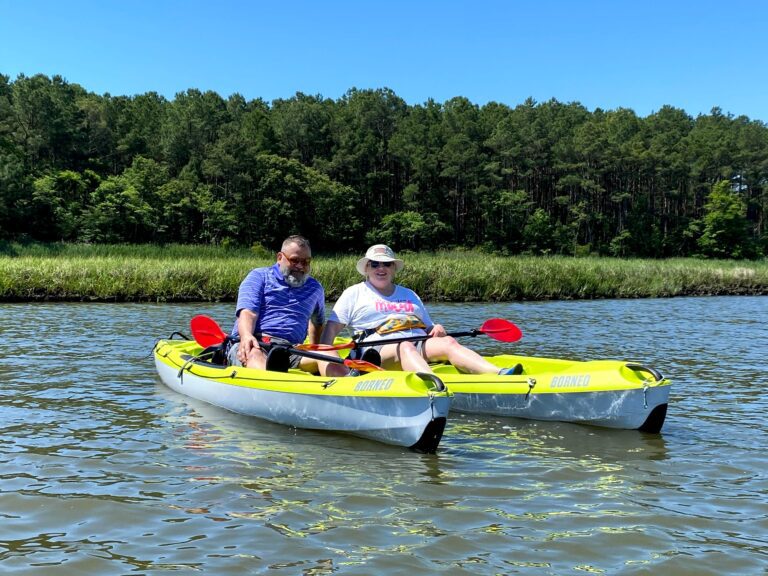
(206, 273)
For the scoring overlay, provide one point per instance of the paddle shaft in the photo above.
(293, 350)
(474, 332)
(313, 355)
(208, 333)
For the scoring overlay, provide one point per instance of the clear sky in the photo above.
(641, 54)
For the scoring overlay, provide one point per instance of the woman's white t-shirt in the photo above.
(361, 307)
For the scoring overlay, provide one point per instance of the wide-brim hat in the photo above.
(379, 253)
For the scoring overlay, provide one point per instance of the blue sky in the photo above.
(604, 54)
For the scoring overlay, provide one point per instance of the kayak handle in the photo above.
(640, 368)
(432, 378)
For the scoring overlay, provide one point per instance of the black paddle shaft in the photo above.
(268, 345)
(473, 332)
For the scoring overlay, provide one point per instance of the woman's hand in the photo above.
(437, 331)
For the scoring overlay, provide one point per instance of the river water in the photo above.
(103, 470)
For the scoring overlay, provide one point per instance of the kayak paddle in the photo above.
(207, 332)
(497, 328)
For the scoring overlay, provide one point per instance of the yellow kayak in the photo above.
(399, 408)
(609, 393)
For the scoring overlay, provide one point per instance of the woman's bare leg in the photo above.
(464, 359)
(403, 356)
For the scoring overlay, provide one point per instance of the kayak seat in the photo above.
(278, 359)
(371, 355)
(515, 370)
(215, 355)
(368, 354)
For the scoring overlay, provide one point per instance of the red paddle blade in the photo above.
(325, 347)
(206, 331)
(501, 330)
(361, 365)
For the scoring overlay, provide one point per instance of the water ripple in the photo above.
(103, 470)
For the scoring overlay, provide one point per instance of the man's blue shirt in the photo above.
(282, 311)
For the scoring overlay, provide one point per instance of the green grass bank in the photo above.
(124, 273)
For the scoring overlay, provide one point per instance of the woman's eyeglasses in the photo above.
(375, 264)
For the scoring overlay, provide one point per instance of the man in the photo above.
(282, 303)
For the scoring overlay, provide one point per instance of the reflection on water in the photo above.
(103, 470)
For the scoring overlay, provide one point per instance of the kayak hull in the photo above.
(607, 393)
(398, 408)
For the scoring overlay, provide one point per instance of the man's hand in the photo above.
(245, 323)
(247, 343)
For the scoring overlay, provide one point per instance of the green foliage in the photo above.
(287, 197)
(538, 233)
(538, 178)
(58, 201)
(261, 252)
(725, 231)
(182, 273)
(117, 212)
(620, 243)
(302, 128)
(508, 213)
(409, 230)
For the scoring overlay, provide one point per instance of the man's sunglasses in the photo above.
(375, 264)
(303, 262)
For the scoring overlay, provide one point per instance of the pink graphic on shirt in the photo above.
(384, 306)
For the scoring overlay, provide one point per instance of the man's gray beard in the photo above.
(293, 281)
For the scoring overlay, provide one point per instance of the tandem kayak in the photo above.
(608, 393)
(398, 408)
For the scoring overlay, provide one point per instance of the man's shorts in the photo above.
(293, 361)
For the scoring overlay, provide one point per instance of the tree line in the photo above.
(537, 178)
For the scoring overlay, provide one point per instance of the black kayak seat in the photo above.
(215, 355)
(278, 359)
(367, 354)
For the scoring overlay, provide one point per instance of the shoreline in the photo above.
(80, 273)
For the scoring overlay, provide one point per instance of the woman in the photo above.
(378, 308)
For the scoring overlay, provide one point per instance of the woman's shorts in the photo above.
(355, 354)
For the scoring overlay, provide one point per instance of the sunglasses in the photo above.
(375, 264)
(295, 261)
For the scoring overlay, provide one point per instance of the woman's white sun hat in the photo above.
(379, 253)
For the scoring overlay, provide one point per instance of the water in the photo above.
(103, 470)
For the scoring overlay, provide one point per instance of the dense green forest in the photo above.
(539, 178)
